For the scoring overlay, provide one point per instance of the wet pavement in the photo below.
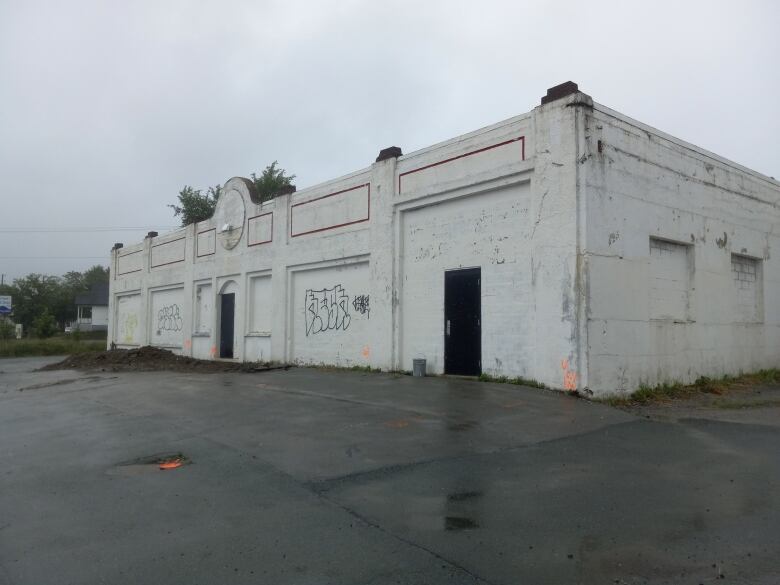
(313, 477)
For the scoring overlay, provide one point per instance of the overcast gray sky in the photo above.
(108, 108)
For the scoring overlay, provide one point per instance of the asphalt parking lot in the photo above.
(311, 477)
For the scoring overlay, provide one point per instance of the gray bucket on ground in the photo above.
(418, 368)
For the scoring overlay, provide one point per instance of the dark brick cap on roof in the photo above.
(559, 91)
(389, 152)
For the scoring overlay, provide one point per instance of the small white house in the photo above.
(571, 244)
(92, 308)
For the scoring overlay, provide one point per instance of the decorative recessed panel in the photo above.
(169, 252)
(335, 210)
(462, 166)
(129, 262)
(206, 244)
(260, 229)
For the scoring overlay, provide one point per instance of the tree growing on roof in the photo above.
(272, 181)
(196, 206)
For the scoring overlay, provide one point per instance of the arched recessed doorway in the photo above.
(227, 319)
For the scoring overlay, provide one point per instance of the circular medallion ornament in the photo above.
(230, 215)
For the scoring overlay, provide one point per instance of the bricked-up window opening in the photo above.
(203, 309)
(746, 274)
(670, 280)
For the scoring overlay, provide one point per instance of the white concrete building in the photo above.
(571, 244)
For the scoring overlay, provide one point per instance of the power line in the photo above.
(16, 230)
(105, 257)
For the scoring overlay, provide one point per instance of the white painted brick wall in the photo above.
(488, 231)
(638, 184)
(572, 212)
(471, 201)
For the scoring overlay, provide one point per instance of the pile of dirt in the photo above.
(146, 359)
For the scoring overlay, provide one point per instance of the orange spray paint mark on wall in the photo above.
(366, 352)
(187, 344)
(213, 351)
(569, 376)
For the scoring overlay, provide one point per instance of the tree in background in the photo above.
(45, 325)
(35, 293)
(271, 181)
(194, 205)
(7, 330)
(81, 282)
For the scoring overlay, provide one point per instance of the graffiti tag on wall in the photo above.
(327, 309)
(360, 303)
(169, 319)
(129, 325)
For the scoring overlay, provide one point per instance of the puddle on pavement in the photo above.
(457, 502)
(461, 425)
(397, 424)
(451, 512)
(463, 496)
(151, 464)
(452, 523)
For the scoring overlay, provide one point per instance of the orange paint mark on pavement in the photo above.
(171, 463)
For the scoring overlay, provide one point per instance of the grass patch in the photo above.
(703, 385)
(648, 394)
(52, 346)
(331, 368)
(82, 335)
(519, 381)
(771, 376)
(367, 369)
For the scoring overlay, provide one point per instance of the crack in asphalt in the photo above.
(326, 484)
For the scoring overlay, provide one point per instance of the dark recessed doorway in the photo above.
(463, 322)
(227, 324)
